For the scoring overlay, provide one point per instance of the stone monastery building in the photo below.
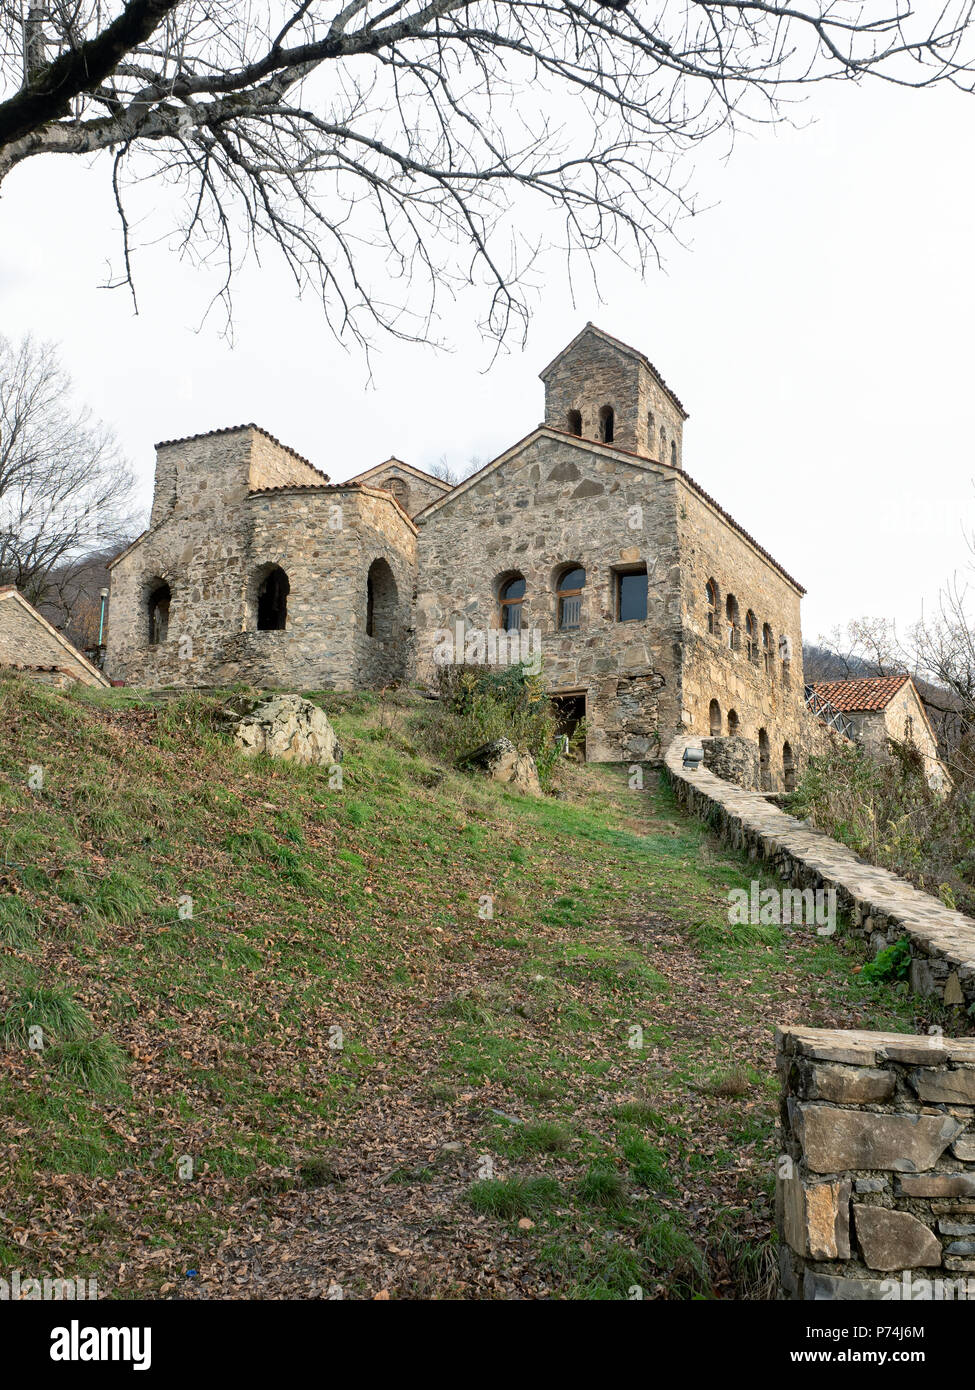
(655, 612)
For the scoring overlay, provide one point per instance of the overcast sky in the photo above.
(816, 324)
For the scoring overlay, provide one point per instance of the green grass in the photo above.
(579, 1035)
(513, 1197)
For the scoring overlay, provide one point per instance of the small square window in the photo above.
(631, 596)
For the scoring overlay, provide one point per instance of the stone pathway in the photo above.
(882, 906)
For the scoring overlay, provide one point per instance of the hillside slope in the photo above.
(339, 1073)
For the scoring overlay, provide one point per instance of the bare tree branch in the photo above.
(386, 145)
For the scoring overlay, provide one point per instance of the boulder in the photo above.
(288, 727)
(501, 760)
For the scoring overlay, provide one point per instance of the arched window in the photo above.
(732, 624)
(908, 728)
(785, 652)
(663, 444)
(607, 420)
(714, 718)
(272, 601)
(401, 492)
(569, 593)
(573, 422)
(751, 636)
(673, 453)
(381, 601)
(788, 767)
(511, 596)
(714, 626)
(764, 769)
(768, 650)
(732, 722)
(650, 429)
(160, 598)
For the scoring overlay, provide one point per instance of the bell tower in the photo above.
(599, 388)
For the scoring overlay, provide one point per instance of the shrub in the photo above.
(893, 963)
(481, 703)
(886, 812)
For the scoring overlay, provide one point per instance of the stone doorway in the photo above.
(570, 711)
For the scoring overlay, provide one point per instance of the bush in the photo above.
(481, 703)
(886, 812)
(893, 963)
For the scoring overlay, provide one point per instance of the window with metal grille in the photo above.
(714, 626)
(511, 597)
(570, 587)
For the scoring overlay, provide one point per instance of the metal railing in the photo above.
(829, 714)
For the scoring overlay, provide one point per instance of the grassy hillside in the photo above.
(335, 1073)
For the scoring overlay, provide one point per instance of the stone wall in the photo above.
(905, 721)
(875, 1185)
(733, 760)
(209, 471)
(217, 544)
(550, 503)
(413, 489)
(750, 692)
(879, 907)
(30, 644)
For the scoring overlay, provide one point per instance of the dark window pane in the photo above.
(573, 579)
(633, 596)
(515, 588)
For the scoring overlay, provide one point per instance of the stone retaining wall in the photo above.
(880, 906)
(875, 1189)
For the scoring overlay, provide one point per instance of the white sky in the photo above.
(817, 326)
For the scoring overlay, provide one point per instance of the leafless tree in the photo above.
(943, 646)
(454, 474)
(938, 652)
(391, 148)
(65, 490)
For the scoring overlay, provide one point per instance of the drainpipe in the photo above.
(101, 616)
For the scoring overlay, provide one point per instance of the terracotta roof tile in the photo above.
(862, 694)
(301, 487)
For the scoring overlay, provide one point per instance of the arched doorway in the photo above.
(272, 601)
(160, 598)
(381, 601)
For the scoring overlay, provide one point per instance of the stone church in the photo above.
(653, 610)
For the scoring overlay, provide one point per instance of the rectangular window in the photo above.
(631, 597)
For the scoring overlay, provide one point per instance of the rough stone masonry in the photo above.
(875, 1183)
(654, 611)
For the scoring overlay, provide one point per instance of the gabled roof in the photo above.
(861, 694)
(605, 451)
(591, 329)
(8, 594)
(407, 467)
